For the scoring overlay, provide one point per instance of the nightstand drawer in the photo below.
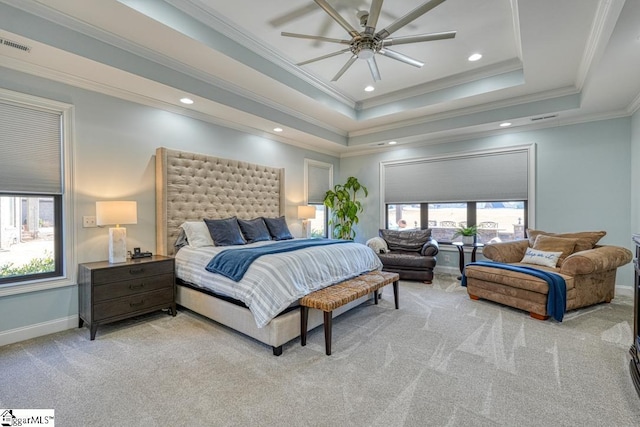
(131, 287)
(132, 304)
(132, 271)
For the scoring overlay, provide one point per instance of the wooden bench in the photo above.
(332, 297)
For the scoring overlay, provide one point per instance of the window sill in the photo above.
(35, 286)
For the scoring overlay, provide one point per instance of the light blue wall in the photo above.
(635, 172)
(582, 178)
(115, 144)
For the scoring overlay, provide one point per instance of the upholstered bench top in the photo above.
(332, 297)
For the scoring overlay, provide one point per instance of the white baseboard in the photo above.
(37, 330)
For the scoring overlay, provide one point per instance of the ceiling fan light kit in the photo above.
(367, 43)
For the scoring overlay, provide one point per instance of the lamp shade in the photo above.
(306, 212)
(116, 212)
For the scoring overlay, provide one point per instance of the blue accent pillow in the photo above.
(225, 232)
(278, 228)
(254, 230)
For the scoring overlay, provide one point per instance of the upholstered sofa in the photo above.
(589, 271)
(410, 253)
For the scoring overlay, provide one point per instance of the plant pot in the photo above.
(468, 240)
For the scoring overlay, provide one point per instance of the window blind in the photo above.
(318, 181)
(31, 147)
(475, 177)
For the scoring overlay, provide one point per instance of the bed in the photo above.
(191, 187)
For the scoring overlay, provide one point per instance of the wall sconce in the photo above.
(305, 213)
(116, 213)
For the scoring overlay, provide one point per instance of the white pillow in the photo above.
(197, 234)
(534, 256)
(378, 244)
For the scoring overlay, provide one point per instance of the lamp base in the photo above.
(117, 245)
(306, 229)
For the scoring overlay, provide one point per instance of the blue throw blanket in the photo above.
(233, 263)
(557, 296)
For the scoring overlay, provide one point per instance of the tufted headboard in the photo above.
(191, 187)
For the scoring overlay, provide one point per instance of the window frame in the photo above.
(64, 211)
(323, 165)
(471, 216)
(529, 219)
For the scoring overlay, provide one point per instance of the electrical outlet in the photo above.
(89, 221)
(447, 258)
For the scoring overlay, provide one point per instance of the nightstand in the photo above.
(112, 292)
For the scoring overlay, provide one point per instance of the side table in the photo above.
(461, 247)
(110, 292)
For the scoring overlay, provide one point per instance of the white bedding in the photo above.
(273, 282)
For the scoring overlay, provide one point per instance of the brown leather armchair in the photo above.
(410, 253)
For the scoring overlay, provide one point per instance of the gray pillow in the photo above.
(225, 232)
(254, 230)
(410, 240)
(278, 228)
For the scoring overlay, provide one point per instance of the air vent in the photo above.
(15, 45)
(535, 119)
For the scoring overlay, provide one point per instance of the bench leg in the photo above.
(328, 316)
(375, 297)
(304, 316)
(395, 293)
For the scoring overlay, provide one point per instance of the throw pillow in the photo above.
(378, 245)
(409, 240)
(555, 244)
(536, 257)
(225, 232)
(197, 234)
(278, 228)
(254, 230)
(586, 239)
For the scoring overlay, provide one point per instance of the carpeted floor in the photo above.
(441, 360)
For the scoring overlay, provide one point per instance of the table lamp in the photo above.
(116, 213)
(305, 213)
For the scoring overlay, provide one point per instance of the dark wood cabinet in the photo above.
(634, 364)
(111, 292)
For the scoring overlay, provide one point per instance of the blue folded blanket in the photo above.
(557, 296)
(234, 263)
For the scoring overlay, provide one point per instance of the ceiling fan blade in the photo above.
(411, 16)
(318, 38)
(418, 38)
(373, 66)
(293, 15)
(319, 58)
(374, 14)
(344, 68)
(401, 57)
(338, 18)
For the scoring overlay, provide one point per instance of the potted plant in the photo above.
(345, 207)
(468, 234)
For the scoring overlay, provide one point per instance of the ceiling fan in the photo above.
(367, 43)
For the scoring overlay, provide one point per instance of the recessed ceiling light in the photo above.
(505, 124)
(187, 101)
(369, 89)
(475, 57)
(393, 142)
(277, 129)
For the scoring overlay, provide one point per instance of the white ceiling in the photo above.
(566, 60)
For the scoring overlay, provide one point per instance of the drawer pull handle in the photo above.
(136, 304)
(136, 270)
(134, 287)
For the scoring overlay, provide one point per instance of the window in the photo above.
(34, 192)
(318, 180)
(488, 189)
